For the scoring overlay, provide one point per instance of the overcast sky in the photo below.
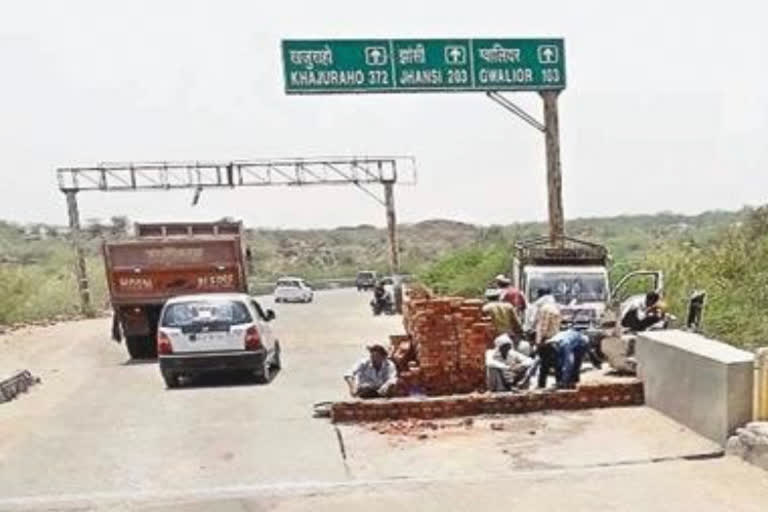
(666, 108)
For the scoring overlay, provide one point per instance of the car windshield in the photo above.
(365, 275)
(185, 313)
(289, 284)
(567, 287)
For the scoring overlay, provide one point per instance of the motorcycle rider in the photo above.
(382, 299)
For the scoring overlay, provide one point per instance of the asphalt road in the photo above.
(102, 432)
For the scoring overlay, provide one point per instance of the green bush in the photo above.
(734, 272)
(730, 264)
(45, 290)
(467, 272)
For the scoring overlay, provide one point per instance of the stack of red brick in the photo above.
(586, 396)
(444, 351)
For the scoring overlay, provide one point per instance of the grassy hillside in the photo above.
(724, 254)
(632, 240)
(341, 252)
(36, 277)
(36, 280)
(733, 270)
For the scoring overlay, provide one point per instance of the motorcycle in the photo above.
(382, 304)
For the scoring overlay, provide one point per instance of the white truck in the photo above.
(578, 275)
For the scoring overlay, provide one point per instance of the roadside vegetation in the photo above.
(724, 253)
(733, 270)
(36, 277)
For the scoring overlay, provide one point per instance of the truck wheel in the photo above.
(151, 347)
(136, 346)
(141, 347)
(171, 379)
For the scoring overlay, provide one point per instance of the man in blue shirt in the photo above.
(571, 346)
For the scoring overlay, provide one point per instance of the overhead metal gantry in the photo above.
(142, 176)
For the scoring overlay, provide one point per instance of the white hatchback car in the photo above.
(293, 289)
(215, 332)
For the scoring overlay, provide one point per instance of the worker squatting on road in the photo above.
(507, 364)
(374, 376)
(513, 361)
(640, 313)
(506, 369)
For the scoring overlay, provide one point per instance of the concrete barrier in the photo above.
(704, 384)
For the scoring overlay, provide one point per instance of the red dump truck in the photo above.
(163, 261)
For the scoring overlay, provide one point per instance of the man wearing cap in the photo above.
(374, 376)
(505, 368)
(510, 294)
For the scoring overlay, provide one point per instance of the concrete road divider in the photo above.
(704, 384)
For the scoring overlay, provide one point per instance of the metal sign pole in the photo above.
(394, 253)
(80, 270)
(554, 175)
(551, 129)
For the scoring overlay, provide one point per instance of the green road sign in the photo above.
(423, 65)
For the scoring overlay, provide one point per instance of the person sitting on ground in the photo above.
(571, 346)
(640, 313)
(506, 369)
(505, 321)
(510, 294)
(374, 376)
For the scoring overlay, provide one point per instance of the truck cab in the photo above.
(577, 274)
(582, 292)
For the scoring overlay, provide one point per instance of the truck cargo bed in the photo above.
(150, 271)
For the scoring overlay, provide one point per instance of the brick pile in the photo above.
(587, 396)
(444, 350)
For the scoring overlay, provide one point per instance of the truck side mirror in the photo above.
(269, 315)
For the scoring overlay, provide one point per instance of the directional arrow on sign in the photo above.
(548, 54)
(375, 56)
(455, 55)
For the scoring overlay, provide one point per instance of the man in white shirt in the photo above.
(505, 368)
(373, 377)
(544, 296)
(640, 313)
